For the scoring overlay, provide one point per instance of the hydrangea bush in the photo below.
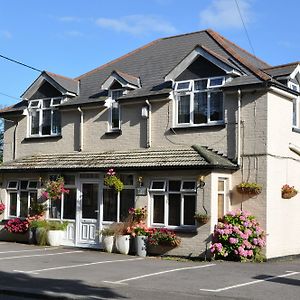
(17, 225)
(238, 236)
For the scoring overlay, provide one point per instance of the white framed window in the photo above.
(223, 201)
(20, 198)
(175, 205)
(117, 204)
(199, 102)
(44, 117)
(65, 208)
(296, 105)
(114, 110)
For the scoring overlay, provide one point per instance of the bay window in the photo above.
(199, 102)
(21, 195)
(44, 117)
(173, 203)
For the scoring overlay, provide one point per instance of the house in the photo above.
(182, 120)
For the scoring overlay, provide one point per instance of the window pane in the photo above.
(174, 209)
(126, 201)
(56, 122)
(115, 120)
(23, 204)
(220, 206)
(200, 85)
(32, 185)
(12, 204)
(158, 185)
(127, 179)
(158, 209)
(35, 121)
(184, 109)
(294, 112)
(216, 81)
(183, 86)
(32, 198)
(189, 185)
(200, 108)
(174, 185)
(69, 179)
(12, 185)
(56, 101)
(109, 205)
(46, 103)
(116, 94)
(70, 204)
(34, 103)
(189, 209)
(216, 106)
(24, 185)
(46, 126)
(89, 200)
(55, 209)
(221, 185)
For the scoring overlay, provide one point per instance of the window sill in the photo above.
(114, 132)
(41, 138)
(188, 229)
(202, 126)
(296, 129)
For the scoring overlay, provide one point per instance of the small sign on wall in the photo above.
(141, 191)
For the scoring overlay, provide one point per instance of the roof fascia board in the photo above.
(37, 84)
(295, 72)
(189, 59)
(282, 92)
(116, 77)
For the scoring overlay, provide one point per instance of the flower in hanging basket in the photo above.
(288, 192)
(2, 208)
(54, 189)
(113, 181)
(201, 218)
(250, 188)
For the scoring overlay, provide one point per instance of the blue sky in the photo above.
(71, 37)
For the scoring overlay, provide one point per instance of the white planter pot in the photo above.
(55, 237)
(123, 243)
(140, 243)
(108, 243)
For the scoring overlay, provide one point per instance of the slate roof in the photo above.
(167, 158)
(282, 70)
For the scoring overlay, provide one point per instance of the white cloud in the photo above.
(6, 34)
(74, 33)
(137, 24)
(69, 19)
(224, 14)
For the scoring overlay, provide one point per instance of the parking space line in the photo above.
(158, 273)
(37, 255)
(250, 283)
(77, 266)
(31, 250)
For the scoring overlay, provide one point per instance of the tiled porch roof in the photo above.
(160, 158)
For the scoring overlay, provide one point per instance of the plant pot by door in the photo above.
(123, 243)
(55, 237)
(108, 243)
(140, 242)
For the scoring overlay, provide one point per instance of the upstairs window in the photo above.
(199, 102)
(114, 115)
(44, 117)
(296, 105)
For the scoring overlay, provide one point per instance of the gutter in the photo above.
(81, 130)
(149, 127)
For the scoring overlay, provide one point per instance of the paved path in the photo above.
(72, 273)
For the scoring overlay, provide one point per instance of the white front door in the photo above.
(89, 215)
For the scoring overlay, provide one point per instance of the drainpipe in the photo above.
(81, 130)
(239, 128)
(15, 141)
(149, 127)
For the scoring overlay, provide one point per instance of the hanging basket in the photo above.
(249, 188)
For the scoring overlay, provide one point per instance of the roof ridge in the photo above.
(118, 59)
(121, 72)
(184, 34)
(58, 75)
(283, 65)
(220, 40)
(236, 45)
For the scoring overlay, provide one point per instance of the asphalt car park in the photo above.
(61, 272)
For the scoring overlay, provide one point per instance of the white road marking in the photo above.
(37, 255)
(250, 283)
(76, 266)
(158, 273)
(32, 250)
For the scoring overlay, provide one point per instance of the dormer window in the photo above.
(114, 114)
(199, 102)
(44, 117)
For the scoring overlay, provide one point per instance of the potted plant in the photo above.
(55, 231)
(2, 208)
(201, 218)
(162, 240)
(138, 214)
(288, 192)
(113, 181)
(108, 238)
(139, 231)
(250, 188)
(17, 229)
(39, 226)
(122, 237)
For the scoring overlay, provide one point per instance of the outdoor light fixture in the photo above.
(201, 182)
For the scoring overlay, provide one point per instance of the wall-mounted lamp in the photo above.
(140, 180)
(201, 182)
